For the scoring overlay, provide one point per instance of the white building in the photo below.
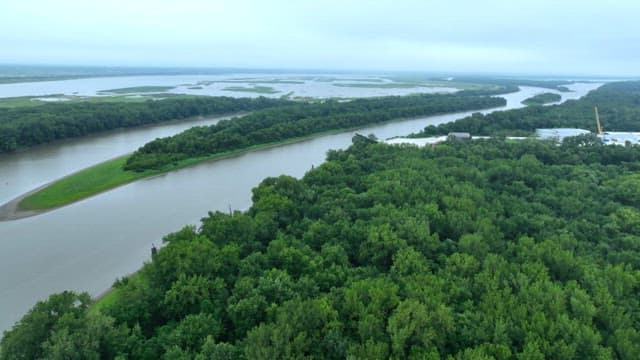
(559, 134)
(620, 138)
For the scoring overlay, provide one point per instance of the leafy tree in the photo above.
(485, 249)
(23, 127)
(302, 329)
(27, 338)
(194, 294)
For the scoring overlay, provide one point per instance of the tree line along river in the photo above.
(87, 245)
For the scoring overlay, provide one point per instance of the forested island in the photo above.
(542, 99)
(477, 250)
(267, 127)
(27, 126)
(23, 126)
(282, 123)
(617, 103)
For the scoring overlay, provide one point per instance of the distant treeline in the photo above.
(24, 127)
(277, 124)
(559, 85)
(618, 103)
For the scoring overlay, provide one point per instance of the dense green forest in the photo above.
(542, 99)
(276, 124)
(617, 103)
(23, 127)
(477, 250)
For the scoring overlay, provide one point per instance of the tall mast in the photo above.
(600, 132)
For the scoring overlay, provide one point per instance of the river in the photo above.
(25, 171)
(232, 84)
(87, 245)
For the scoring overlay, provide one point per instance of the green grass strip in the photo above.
(253, 89)
(82, 184)
(138, 89)
(110, 297)
(104, 301)
(109, 174)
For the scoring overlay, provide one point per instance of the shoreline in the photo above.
(225, 116)
(11, 211)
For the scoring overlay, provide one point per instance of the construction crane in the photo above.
(603, 135)
(600, 131)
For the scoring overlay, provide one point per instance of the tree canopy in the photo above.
(542, 99)
(617, 102)
(478, 250)
(286, 122)
(23, 127)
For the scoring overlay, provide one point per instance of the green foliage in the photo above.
(80, 185)
(252, 89)
(542, 99)
(22, 127)
(219, 351)
(62, 328)
(617, 103)
(302, 329)
(138, 89)
(514, 82)
(477, 250)
(190, 295)
(278, 124)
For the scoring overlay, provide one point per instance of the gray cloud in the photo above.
(575, 37)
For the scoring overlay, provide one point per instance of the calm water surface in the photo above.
(318, 85)
(22, 172)
(87, 245)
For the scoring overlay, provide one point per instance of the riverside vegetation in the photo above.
(27, 126)
(478, 250)
(281, 123)
(542, 99)
(617, 103)
(262, 128)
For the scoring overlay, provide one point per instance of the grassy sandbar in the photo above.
(109, 174)
(80, 185)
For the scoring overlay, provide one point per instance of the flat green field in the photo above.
(37, 100)
(138, 89)
(82, 184)
(31, 100)
(408, 83)
(365, 80)
(393, 85)
(253, 89)
(256, 81)
(25, 79)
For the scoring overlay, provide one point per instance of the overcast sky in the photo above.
(583, 37)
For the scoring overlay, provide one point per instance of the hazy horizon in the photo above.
(124, 70)
(575, 38)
